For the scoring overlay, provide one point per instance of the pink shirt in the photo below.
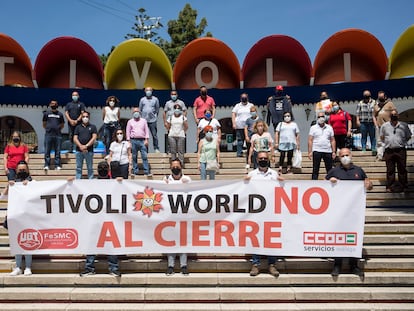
(202, 105)
(137, 129)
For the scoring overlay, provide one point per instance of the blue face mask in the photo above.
(335, 108)
(148, 93)
(136, 115)
(177, 111)
(208, 115)
(75, 98)
(174, 97)
(253, 114)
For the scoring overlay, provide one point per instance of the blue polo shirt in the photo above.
(352, 173)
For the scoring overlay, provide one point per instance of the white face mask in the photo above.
(120, 137)
(346, 160)
(111, 103)
(287, 118)
(85, 120)
(148, 93)
(321, 120)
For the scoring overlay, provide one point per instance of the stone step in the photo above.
(75, 264)
(244, 294)
(257, 306)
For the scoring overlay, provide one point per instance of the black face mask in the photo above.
(366, 97)
(381, 99)
(53, 107)
(176, 170)
(203, 93)
(22, 175)
(264, 163)
(394, 117)
(16, 140)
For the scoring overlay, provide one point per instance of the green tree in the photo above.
(182, 31)
(145, 27)
(104, 57)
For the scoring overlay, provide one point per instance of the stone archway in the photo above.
(9, 124)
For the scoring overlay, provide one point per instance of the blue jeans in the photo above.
(27, 260)
(204, 172)
(52, 142)
(112, 263)
(88, 157)
(316, 159)
(240, 141)
(153, 129)
(256, 260)
(138, 145)
(11, 175)
(171, 260)
(368, 128)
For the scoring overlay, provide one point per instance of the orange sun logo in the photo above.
(148, 201)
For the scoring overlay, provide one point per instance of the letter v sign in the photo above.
(140, 79)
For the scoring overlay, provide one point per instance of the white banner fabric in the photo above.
(290, 218)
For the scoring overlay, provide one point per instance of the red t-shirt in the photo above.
(202, 105)
(339, 122)
(15, 155)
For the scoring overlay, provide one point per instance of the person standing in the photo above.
(277, 105)
(324, 104)
(23, 176)
(382, 114)
(84, 137)
(111, 115)
(137, 133)
(321, 145)
(263, 172)
(169, 111)
(365, 122)
(394, 135)
(113, 264)
(177, 127)
(347, 171)
(249, 131)
(176, 177)
(213, 122)
(208, 150)
(53, 123)
(14, 152)
(287, 141)
(202, 103)
(73, 113)
(239, 115)
(149, 106)
(341, 123)
(261, 141)
(120, 156)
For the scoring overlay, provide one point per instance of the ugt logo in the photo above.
(148, 202)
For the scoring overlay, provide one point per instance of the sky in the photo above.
(238, 23)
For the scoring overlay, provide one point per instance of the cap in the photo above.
(279, 88)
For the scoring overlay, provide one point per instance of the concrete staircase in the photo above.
(222, 281)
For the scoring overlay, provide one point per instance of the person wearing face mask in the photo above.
(277, 105)
(249, 131)
(365, 122)
(137, 133)
(84, 137)
(177, 127)
(261, 141)
(347, 171)
(382, 113)
(14, 152)
(149, 106)
(341, 123)
(287, 140)
(22, 176)
(176, 177)
(208, 150)
(53, 123)
(394, 135)
(120, 156)
(213, 122)
(73, 113)
(202, 103)
(111, 115)
(169, 111)
(263, 172)
(239, 115)
(321, 145)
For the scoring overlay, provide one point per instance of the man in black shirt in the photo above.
(53, 123)
(347, 171)
(73, 113)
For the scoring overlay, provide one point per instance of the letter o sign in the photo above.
(214, 74)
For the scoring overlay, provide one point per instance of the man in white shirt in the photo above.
(321, 145)
(239, 115)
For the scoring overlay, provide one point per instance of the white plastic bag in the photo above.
(297, 159)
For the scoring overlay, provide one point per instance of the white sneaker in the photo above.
(27, 271)
(157, 151)
(46, 168)
(58, 168)
(247, 166)
(16, 271)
